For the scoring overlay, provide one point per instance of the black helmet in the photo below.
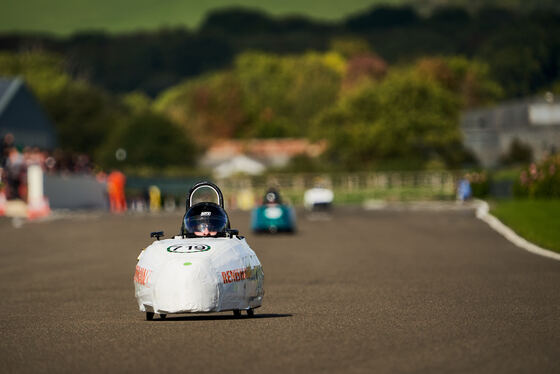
(203, 216)
(272, 197)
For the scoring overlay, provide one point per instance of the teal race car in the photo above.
(273, 216)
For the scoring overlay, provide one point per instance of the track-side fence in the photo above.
(348, 188)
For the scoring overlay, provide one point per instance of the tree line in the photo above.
(522, 49)
(368, 111)
(378, 104)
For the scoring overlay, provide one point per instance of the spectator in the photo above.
(464, 191)
(115, 187)
(5, 146)
(15, 174)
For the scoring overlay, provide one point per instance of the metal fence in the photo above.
(350, 187)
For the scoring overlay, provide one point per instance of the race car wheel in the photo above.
(250, 312)
(149, 316)
(237, 313)
(162, 316)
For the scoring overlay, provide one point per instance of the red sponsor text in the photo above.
(142, 275)
(235, 275)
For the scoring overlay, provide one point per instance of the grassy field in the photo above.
(536, 220)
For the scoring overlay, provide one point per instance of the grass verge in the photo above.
(536, 220)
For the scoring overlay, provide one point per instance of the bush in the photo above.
(518, 153)
(480, 183)
(540, 179)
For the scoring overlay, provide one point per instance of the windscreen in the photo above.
(204, 194)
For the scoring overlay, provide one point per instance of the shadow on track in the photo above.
(219, 317)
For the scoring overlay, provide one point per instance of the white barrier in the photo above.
(483, 213)
(37, 204)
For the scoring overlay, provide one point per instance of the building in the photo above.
(239, 164)
(22, 116)
(254, 152)
(489, 132)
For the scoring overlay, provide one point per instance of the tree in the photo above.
(282, 94)
(82, 114)
(238, 20)
(405, 117)
(470, 79)
(149, 140)
(349, 47)
(43, 72)
(362, 69)
(208, 107)
(382, 17)
(523, 57)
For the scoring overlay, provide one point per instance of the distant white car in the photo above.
(191, 273)
(318, 198)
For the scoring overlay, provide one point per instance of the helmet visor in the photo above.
(198, 224)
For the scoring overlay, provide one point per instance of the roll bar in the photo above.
(216, 189)
(207, 184)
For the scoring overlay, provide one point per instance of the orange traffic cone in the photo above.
(2, 203)
(38, 208)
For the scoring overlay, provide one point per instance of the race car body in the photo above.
(318, 198)
(208, 267)
(273, 218)
(273, 215)
(186, 275)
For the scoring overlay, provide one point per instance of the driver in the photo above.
(205, 219)
(272, 197)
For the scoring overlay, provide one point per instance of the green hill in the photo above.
(65, 17)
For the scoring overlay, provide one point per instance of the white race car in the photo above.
(318, 198)
(208, 267)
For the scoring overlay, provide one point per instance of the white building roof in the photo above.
(240, 164)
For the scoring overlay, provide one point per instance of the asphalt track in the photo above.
(380, 291)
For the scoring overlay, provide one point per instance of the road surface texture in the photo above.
(353, 292)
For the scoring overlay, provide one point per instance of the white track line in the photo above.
(483, 213)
